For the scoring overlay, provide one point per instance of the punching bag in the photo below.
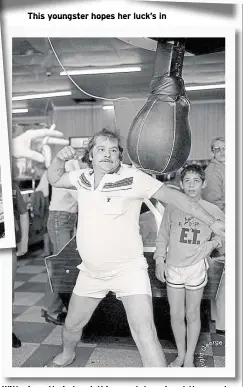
(159, 139)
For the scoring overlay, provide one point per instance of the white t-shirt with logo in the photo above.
(108, 237)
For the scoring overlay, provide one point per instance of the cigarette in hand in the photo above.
(52, 128)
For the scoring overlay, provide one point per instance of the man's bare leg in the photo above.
(139, 312)
(193, 302)
(176, 298)
(80, 311)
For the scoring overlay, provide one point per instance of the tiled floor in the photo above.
(42, 341)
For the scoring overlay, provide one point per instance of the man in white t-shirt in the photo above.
(110, 245)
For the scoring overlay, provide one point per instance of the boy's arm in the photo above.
(56, 174)
(220, 246)
(208, 246)
(191, 207)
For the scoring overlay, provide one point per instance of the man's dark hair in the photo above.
(195, 168)
(102, 133)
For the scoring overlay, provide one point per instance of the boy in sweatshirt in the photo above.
(182, 247)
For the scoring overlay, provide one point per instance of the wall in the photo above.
(82, 121)
(207, 121)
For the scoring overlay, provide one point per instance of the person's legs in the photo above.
(176, 298)
(79, 313)
(139, 310)
(60, 227)
(193, 302)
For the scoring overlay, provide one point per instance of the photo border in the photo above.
(229, 370)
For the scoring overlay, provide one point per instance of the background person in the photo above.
(21, 221)
(61, 226)
(215, 193)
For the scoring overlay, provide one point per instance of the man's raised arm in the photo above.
(191, 207)
(56, 174)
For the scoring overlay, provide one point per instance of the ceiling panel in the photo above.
(36, 69)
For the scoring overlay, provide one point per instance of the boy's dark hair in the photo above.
(102, 133)
(195, 168)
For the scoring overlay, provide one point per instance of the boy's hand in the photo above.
(160, 271)
(218, 227)
(218, 241)
(67, 153)
(219, 247)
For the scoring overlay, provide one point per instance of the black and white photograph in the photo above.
(118, 169)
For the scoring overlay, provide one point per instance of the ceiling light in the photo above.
(205, 87)
(14, 111)
(103, 70)
(43, 95)
(108, 107)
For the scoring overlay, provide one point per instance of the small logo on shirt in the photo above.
(189, 222)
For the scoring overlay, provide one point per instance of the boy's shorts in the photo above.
(126, 283)
(190, 277)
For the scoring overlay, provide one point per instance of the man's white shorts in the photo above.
(126, 283)
(190, 277)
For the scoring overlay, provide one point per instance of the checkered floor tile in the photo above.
(41, 341)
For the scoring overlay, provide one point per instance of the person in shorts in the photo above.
(183, 244)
